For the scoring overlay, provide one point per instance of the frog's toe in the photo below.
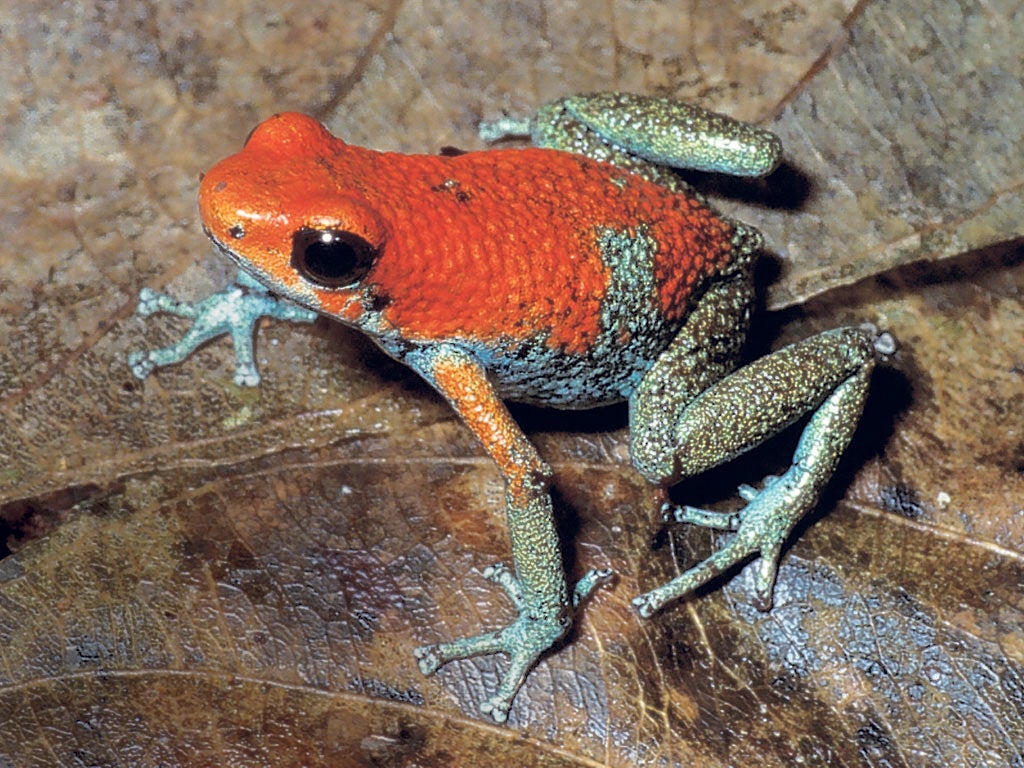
(497, 708)
(645, 605)
(884, 343)
(427, 659)
(761, 528)
(521, 661)
(747, 492)
(590, 581)
(705, 518)
(140, 364)
(738, 549)
(149, 302)
(247, 376)
(503, 576)
(764, 579)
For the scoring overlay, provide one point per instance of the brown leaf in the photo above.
(206, 575)
(904, 140)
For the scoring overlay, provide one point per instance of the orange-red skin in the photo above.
(494, 246)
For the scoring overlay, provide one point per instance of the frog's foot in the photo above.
(151, 302)
(762, 527)
(537, 628)
(234, 311)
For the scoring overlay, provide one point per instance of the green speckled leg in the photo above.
(537, 587)
(647, 135)
(234, 311)
(827, 374)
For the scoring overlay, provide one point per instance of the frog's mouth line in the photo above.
(272, 285)
(243, 264)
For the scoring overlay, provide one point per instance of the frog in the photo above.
(576, 272)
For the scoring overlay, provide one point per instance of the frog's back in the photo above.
(547, 261)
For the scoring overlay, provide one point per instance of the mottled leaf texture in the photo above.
(207, 575)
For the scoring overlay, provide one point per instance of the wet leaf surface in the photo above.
(203, 574)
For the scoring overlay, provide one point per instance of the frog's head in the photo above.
(280, 209)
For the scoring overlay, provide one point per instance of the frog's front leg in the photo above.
(234, 311)
(827, 374)
(537, 587)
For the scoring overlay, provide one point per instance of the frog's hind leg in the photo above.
(647, 135)
(671, 133)
(827, 374)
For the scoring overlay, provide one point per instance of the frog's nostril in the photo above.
(237, 232)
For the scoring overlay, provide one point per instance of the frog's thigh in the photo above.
(764, 397)
(705, 350)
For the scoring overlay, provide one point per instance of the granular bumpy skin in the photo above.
(675, 135)
(576, 273)
(509, 252)
(482, 247)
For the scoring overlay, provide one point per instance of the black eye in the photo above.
(331, 258)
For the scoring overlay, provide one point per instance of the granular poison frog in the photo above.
(579, 272)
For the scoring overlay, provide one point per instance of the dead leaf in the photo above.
(206, 575)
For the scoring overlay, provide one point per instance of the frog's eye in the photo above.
(331, 258)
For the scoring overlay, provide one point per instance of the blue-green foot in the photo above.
(538, 627)
(762, 527)
(234, 311)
